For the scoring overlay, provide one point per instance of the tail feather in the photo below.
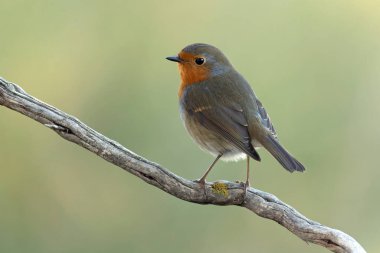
(282, 156)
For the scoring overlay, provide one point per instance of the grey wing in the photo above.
(229, 123)
(265, 120)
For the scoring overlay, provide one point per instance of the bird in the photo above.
(222, 113)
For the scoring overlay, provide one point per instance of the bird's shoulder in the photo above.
(221, 90)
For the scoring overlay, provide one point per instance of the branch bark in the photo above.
(264, 204)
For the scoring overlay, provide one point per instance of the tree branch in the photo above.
(263, 204)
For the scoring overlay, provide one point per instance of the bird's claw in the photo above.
(247, 185)
(201, 182)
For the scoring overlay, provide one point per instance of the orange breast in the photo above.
(191, 74)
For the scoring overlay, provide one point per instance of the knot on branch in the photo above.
(11, 86)
(59, 128)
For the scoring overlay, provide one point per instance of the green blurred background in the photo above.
(315, 65)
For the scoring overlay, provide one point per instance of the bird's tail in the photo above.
(282, 156)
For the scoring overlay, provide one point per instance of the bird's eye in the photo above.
(199, 61)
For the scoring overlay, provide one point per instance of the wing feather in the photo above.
(230, 124)
(265, 119)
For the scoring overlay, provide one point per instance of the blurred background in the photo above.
(315, 65)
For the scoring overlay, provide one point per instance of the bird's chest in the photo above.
(206, 138)
(196, 128)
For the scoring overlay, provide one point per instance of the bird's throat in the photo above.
(190, 75)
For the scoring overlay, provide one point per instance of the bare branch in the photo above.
(263, 204)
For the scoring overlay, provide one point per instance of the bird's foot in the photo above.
(201, 182)
(246, 187)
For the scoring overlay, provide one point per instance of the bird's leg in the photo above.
(202, 181)
(247, 181)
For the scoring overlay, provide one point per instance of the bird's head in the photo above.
(198, 62)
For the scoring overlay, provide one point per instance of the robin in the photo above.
(222, 113)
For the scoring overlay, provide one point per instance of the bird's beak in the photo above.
(174, 58)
